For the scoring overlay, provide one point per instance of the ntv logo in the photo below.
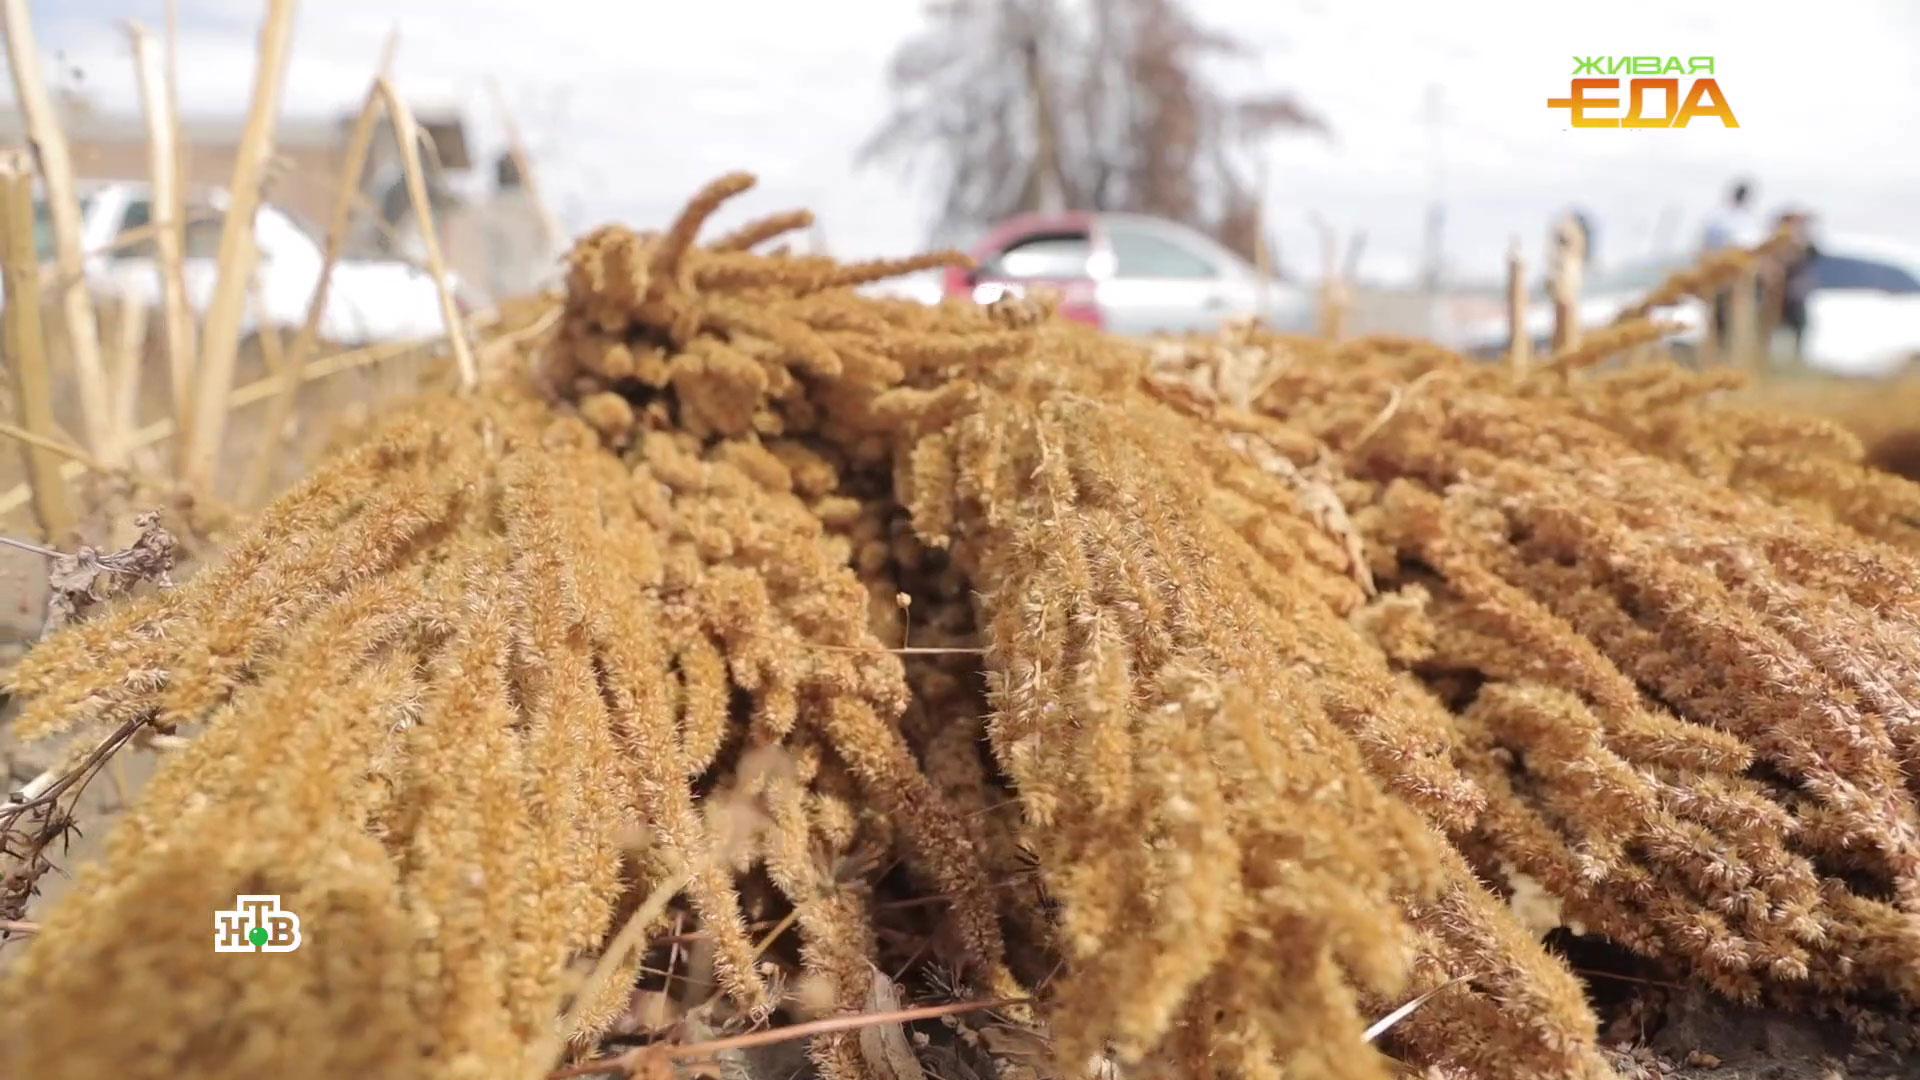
(1649, 74)
(257, 924)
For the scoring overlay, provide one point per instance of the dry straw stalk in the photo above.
(380, 97)
(551, 233)
(63, 207)
(169, 228)
(220, 341)
(26, 349)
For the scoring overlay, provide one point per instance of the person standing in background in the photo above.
(1590, 240)
(1733, 225)
(1797, 278)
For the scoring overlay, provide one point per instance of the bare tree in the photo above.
(975, 93)
(1040, 104)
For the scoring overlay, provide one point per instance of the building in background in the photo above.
(489, 229)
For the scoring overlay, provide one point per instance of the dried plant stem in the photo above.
(881, 650)
(125, 240)
(1519, 338)
(389, 50)
(280, 406)
(1334, 297)
(125, 350)
(55, 446)
(1743, 322)
(78, 463)
(626, 1062)
(407, 133)
(30, 548)
(544, 1055)
(273, 350)
(346, 189)
(181, 149)
(1381, 1026)
(220, 344)
(551, 232)
(252, 393)
(51, 784)
(56, 169)
(169, 226)
(26, 351)
(701, 1050)
(1569, 259)
(1262, 252)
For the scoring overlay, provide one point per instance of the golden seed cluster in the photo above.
(1214, 693)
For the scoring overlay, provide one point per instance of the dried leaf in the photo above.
(83, 578)
(884, 1047)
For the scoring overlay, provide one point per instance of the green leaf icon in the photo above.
(258, 935)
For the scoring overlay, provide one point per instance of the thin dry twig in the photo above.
(627, 1061)
(1591, 973)
(252, 393)
(909, 650)
(45, 789)
(346, 187)
(124, 240)
(407, 133)
(1569, 262)
(523, 162)
(881, 650)
(29, 546)
(55, 446)
(1396, 397)
(1381, 1026)
(545, 1054)
(23, 847)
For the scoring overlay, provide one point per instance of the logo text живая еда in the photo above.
(1662, 92)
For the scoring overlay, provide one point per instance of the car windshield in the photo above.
(43, 246)
(42, 232)
(135, 240)
(201, 237)
(1141, 254)
(1057, 256)
(1633, 277)
(1847, 272)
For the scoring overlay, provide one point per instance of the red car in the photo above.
(1126, 273)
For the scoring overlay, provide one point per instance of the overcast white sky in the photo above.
(630, 106)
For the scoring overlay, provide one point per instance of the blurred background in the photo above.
(1408, 114)
(1402, 152)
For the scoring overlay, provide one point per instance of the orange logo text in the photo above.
(1655, 96)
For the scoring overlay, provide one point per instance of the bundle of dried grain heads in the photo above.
(1220, 694)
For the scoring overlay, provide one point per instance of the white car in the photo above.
(370, 299)
(1863, 316)
(1127, 273)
